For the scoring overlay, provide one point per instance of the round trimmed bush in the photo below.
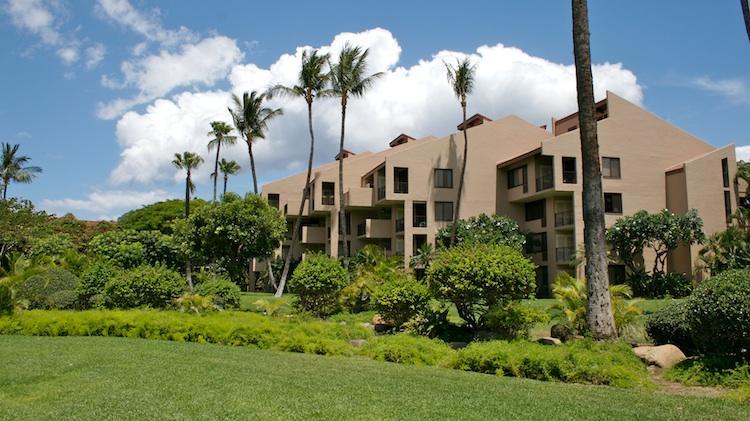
(63, 300)
(318, 280)
(225, 293)
(144, 286)
(669, 325)
(401, 298)
(38, 289)
(719, 313)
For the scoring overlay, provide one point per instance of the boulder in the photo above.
(664, 356)
(457, 345)
(380, 324)
(358, 343)
(548, 340)
(561, 332)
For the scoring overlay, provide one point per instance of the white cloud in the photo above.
(94, 55)
(146, 24)
(68, 55)
(35, 16)
(735, 90)
(743, 153)
(416, 100)
(106, 202)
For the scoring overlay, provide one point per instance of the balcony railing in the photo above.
(564, 218)
(401, 186)
(381, 192)
(400, 225)
(544, 182)
(361, 229)
(565, 254)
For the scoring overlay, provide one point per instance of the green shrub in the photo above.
(605, 363)
(50, 246)
(663, 285)
(726, 250)
(38, 289)
(407, 349)
(225, 293)
(6, 300)
(144, 286)
(63, 300)
(93, 280)
(401, 298)
(475, 277)
(711, 371)
(514, 320)
(129, 248)
(317, 282)
(370, 267)
(432, 322)
(483, 229)
(719, 313)
(669, 325)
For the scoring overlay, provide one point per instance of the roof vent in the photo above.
(400, 140)
(472, 121)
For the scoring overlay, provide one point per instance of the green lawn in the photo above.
(117, 378)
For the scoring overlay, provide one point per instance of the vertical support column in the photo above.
(408, 232)
(334, 238)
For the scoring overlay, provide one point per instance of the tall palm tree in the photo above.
(746, 15)
(348, 80)
(228, 168)
(599, 316)
(188, 161)
(13, 167)
(461, 79)
(220, 133)
(251, 119)
(312, 83)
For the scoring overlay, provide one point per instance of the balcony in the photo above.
(564, 218)
(313, 235)
(358, 197)
(292, 207)
(565, 255)
(380, 192)
(544, 182)
(400, 225)
(374, 228)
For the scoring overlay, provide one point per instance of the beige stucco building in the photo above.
(399, 197)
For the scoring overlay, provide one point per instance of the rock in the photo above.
(561, 332)
(358, 343)
(664, 356)
(547, 340)
(378, 320)
(457, 345)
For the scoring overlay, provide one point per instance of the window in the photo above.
(537, 243)
(569, 170)
(616, 274)
(612, 202)
(418, 240)
(728, 206)
(725, 171)
(400, 180)
(273, 200)
(517, 177)
(419, 210)
(443, 178)
(535, 210)
(380, 181)
(444, 211)
(542, 285)
(610, 167)
(329, 193)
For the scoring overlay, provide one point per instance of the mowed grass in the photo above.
(119, 378)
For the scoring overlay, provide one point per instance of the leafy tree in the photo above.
(13, 167)
(599, 311)
(400, 298)
(348, 80)
(52, 246)
(461, 78)
(130, 248)
(476, 277)
(233, 231)
(157, 216)
(19, 223)
(494, 229)
(317, 282)
(228, 168)
(251, 118)
(726, 250)
(312, 83)
(220, 132)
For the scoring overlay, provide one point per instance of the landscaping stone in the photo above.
(457, 345)
(380, 324)
(664, 356)
(561, 332)
(548, 340)
(358, 343)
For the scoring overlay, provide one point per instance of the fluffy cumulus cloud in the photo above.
(416, 100)
(106, 204)
(743, 153)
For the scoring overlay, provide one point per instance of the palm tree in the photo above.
(228, 168)
(599, 315)
(461, 79)
(746, 16)
(220, 132)
(251, 119)
(348, 80)
(312, 82)
(188, 161)
(13, 167)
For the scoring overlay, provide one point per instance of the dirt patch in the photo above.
(673, 388)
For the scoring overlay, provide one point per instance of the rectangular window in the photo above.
(380, 180)
(616, 274)
(400, 180)
(537, 243)
(725, 171)
(569, 170)
(542, 285)
(728, 206)
(418, 240)
(612, 202)
(419, 210)
(444, 211)
(535, 210)
(444, 178)
(517, 177)
(329, 193)
(273, 200)
(610, 167)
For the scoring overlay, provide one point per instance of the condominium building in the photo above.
(400, 197)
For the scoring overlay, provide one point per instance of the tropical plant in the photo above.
(188, 161)
(461, 78)
(220, 133)
(488, 229)
(251, 118)
(422, 259)
(318, 280)
(130, 248)
(599, 315)
(370, 268)
(13, 167)
(729, 249)
(348, 80)
(312, 83)
(228, 168)
(195, 303)
(225, 293)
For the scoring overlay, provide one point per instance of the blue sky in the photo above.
(102, 93)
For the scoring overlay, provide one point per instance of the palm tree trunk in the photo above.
(305, 196)
(746, 15)
(226, 177)
(342, 212)
(216, 168)
(252, 165)
(187, 196)
(188, 263)
(463, 173)
(5, 190)
(598, 306)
